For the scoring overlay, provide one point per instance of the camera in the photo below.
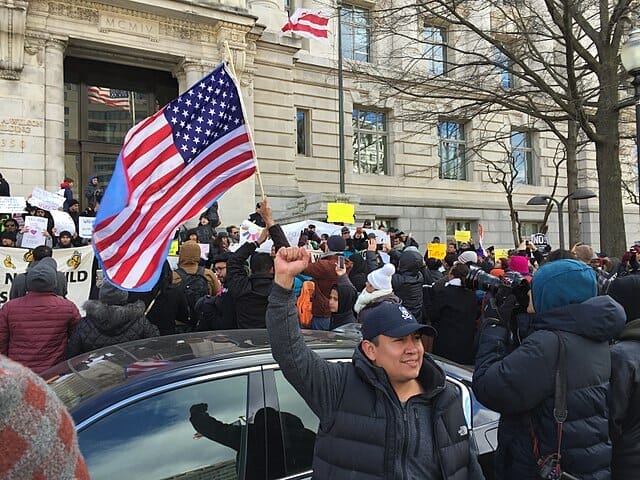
(478, 279)
(549, 469)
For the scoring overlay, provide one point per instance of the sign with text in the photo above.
(462, 235)
(46, 200)
(501, 253)
(62, 221)
(12, 204)
(85, 225)
(437, 250)
(75, 263)
(35, 232)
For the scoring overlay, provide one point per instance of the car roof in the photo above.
(86, 376)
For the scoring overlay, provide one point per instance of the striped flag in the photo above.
(172, 166)
(309, 23)
(109, 96)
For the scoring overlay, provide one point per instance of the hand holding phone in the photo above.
(341, 262)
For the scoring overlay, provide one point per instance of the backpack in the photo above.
(304, 303)
(194, 287)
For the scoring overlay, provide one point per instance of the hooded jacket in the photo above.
(34, 329)
(92, 192)
(347, 295)
(19, 283)
(189, 260)
(324, 275)
(106, 325)
(365, 432)
(407, 282)
(519, 384)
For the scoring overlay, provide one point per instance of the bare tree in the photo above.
(561, 54)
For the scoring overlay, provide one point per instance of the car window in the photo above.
(193, 432)
(299, 426)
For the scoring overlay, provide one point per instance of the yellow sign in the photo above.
(501, 253)
(437, 250)
(340, 212)
(173, 248)
(462, 235)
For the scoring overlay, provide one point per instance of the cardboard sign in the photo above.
(173, 248)
(462, 235)
(62, 221)
(12, 204)
(46, 200)
(341, 212)
(34, 237)
(85, 225)
(437, 250)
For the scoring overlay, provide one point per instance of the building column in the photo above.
(54, 115)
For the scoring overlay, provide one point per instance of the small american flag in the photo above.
(109, 96)
(172, 166)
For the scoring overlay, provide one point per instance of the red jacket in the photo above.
(34, 329)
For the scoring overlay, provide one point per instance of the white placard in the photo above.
(85, 225)
(204, 250)
(62, 221)
(34, 237)
(12, 204)
(46, 200)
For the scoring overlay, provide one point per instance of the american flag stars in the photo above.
(204, 113)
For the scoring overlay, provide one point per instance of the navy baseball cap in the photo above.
(392, 320)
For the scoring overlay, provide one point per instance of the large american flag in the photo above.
(309, 23)
(109, 96)
(172, 166)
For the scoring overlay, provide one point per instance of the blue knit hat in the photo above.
(562, 282)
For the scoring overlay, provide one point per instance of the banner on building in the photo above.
(75, 263)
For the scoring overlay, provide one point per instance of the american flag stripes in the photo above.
(309, 23)
(172, 166)
(109, 96)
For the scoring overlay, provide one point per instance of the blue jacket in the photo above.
(520, 385)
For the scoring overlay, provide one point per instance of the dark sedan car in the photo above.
(210, 405)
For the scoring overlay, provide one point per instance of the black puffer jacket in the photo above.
(624, 422)
(520, 385)
(106, 325)
(407, 282)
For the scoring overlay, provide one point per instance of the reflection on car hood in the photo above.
(89, 374)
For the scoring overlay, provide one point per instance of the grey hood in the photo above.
(42, 276)
(112, 320)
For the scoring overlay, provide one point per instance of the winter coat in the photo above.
(624, 403)
(453, 313)
(358, 273)
(93, 193)
(407, 282)
(19, 284)
(106, 325)
(34, 329)
(324, 275)
(520, 385)
(365, 432)
(347, 295)
(68, 195)
(251, 292)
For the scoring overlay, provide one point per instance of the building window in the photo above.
(522, 157)
(355, 28)
(503, 66)
(303, 132)
(435, 49)
(369, 142)
(452, 150)
(454, 226)
(529, 228)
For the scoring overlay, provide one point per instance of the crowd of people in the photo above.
(533, 324)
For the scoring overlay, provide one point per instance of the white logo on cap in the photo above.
(405, 313)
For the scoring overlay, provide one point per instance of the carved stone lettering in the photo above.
(110, 22)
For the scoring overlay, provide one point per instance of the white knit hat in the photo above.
(380, 279)
(468, 257)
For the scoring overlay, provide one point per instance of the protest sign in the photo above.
(46, 200)
(34, 235)
(437, 250)
(12, 204)
(85, 225)
(341, 212)
(62, 221)
(75, 263)
(501, 253)
(462, 235)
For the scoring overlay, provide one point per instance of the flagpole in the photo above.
(132, 105)
(341, 166)
(246, 124)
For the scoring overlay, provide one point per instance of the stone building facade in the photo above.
(58, 56)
